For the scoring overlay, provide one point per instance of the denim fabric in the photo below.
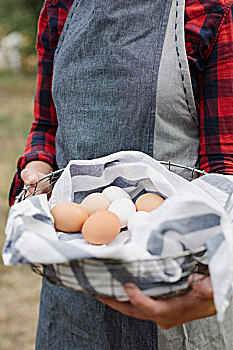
(105, 74)
(176, 132)
(72, 320)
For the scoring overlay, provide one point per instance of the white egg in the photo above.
(113, 193)
(135, 219)
(123, 208)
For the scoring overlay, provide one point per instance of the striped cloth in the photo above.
(194, 214)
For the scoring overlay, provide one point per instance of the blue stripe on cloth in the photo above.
(213, 244)
(9, 247)
(70, 237)
(124, 183)
(43, 218)
(229, 293)
(90, 169)
(190, 224)
(78, 269)
(155, 243)
(122, 275)
(49, 271)
(18, 258)
(18, 233)
(219, 182)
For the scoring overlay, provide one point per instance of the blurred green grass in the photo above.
(19, 287)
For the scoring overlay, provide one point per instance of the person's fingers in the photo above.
(141, 301)
(197, 303)
(201, 284)
(30, 177)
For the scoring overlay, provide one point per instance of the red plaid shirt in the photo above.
(209, 47)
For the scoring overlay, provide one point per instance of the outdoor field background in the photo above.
(19, 286)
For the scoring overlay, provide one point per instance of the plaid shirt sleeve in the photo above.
(41, 141)
(209, 46)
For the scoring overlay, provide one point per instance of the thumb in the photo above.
(29, 177)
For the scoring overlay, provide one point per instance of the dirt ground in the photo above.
(19, 286)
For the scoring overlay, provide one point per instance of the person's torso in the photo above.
(121, 82)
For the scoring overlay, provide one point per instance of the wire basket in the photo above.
(120, 271)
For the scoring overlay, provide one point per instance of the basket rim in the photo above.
(52, 176)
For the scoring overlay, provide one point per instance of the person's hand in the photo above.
(194, 304)
(33, 172)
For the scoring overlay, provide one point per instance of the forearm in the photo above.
(40, 146)
(216, 107)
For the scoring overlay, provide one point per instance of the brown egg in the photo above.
(95, 202)
(101, 227)
(69, 217)
(148, 202)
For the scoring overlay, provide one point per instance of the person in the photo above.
(131, 75)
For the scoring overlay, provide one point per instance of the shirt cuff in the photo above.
(217, 163)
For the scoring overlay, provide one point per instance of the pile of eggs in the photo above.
(101, 216)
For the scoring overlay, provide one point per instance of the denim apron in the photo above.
(121, 82)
